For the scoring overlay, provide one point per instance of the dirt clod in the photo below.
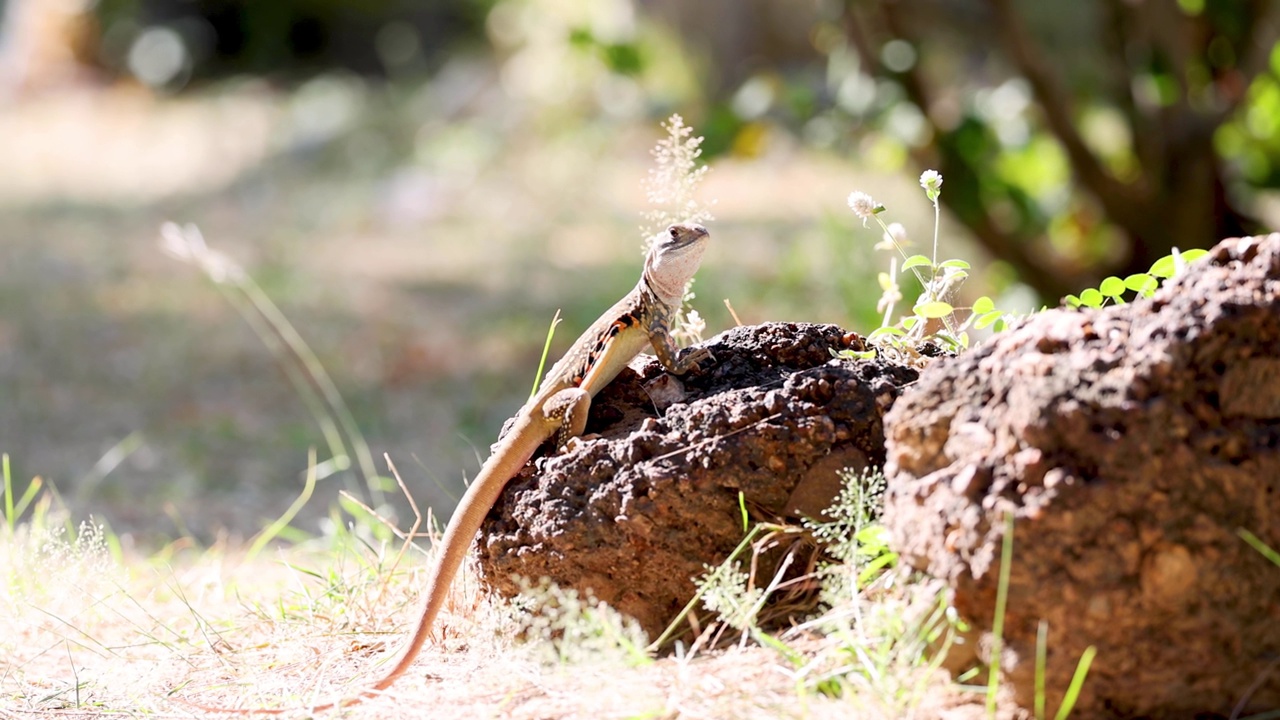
(1132, 446)
(637, 514)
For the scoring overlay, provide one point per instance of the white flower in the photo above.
(691, 328)
(931, 180)
(895, 238)
(862, 205)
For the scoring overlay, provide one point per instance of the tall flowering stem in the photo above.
(671, 188)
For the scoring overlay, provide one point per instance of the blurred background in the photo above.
(419, 185)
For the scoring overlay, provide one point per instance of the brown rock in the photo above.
(1131, 445)
(637, 514)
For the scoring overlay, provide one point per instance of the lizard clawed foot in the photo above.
(697, 358)
(577, 441)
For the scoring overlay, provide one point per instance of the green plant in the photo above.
(13, 510)
(941, 279)
(886, 638)
(573, 628)
(1142, 285)
(1077, 678)
(851, 536)
(883, 640)
(728, 591)
(932, 313)
(997, 644)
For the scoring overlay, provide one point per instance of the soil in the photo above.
(637, 513)
(1132, 446)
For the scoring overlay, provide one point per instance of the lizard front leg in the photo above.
(567, 412)
(675, 361)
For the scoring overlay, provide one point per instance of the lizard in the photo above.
(559, 408)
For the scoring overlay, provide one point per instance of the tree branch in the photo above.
(964, 200)
(1124, 203)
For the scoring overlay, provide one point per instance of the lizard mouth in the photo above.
(686, 234)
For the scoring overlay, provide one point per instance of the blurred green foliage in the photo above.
(1251, 138)
(1079, 140)
(281, 38)
(624, 58)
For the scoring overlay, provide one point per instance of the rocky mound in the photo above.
(1134, 447)
(636, 514)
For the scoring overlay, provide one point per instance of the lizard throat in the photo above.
(668, 282)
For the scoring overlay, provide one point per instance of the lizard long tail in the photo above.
(515, 449)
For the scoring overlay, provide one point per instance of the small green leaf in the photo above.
(910, 322)
(887, 330)
(858, 354)
(1073, 301)
(1163, 267)
(934, 309)
(623, 58)
(874, 567)
(874, 535)
(983, 305)
(955, 263)
(915, 261)
(1112, 287)
(1091, 298)
(986, 319)
(948, 341)
(1141, 283)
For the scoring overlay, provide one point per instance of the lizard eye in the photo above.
(673, 232)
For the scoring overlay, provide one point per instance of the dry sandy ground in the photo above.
(83, 635)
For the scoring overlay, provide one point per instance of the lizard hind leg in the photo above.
(567, 411)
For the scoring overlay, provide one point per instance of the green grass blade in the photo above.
(295, 357)
(1042, 657)
(8, 492)
(1254, 541)
(546, 350)
(1077, 682)
(310, 398)
(276, 527)
(997, 625)
(292, 339)
(27, 498)
(796, 658)
(693, 602)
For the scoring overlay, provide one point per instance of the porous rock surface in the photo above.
(1131, 445)
(636, 514)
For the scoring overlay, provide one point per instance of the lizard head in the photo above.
(673, 258)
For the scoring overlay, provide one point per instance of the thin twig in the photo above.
(737, 320)
(707, 441)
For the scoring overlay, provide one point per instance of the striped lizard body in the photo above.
(641, 318)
